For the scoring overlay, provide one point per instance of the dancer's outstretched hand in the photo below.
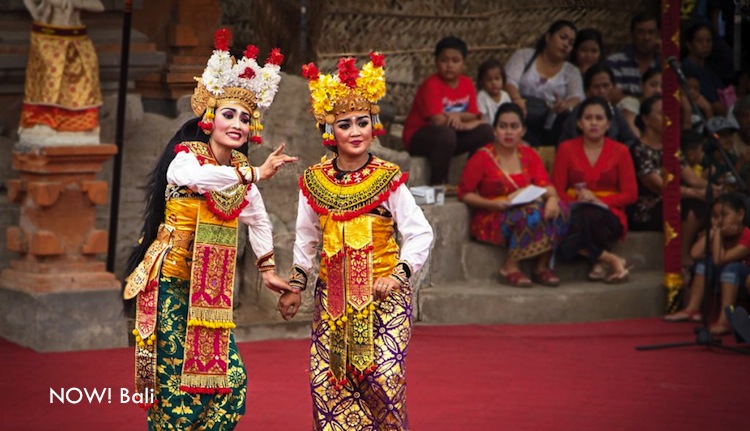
(274, 162)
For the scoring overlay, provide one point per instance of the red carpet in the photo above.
(534, 377)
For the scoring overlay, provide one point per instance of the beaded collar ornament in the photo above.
(244, 82)
(348, 91)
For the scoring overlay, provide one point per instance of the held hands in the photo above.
(275, 283)
(274, 162)
(289, 303)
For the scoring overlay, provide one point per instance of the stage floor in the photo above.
(531, 377)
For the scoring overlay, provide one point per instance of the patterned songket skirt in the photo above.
(523, 229)
(178, 410)
(376, 401)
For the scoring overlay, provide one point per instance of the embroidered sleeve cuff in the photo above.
(297, 278)
(266, 263)
(249, 174)
(402, 272)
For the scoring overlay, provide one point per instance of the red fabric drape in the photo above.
(672, 222)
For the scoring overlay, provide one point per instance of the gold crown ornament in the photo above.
(244, 82)
(348, 91)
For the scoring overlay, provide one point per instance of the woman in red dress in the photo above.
(492, 178)
(596, 175)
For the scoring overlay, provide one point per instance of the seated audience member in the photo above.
(644, 52)
(630, 106)
(444, 119)
(690, 118)
(599, 81)
(491, 81)
(496, 174)
(720, 172)
(647, 213)
(595, 174)
(693, 207)
(544, 84)
(699, 41)
(587, 50)
(730, 245)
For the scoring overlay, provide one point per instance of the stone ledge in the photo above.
(63, 321)
(488, 302)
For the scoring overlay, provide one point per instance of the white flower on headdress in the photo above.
(217, 74)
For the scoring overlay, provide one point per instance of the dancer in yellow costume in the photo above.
(182, 274)
(356, 203)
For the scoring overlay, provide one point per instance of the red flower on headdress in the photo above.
(221, 39)
(251, 51)
(248, 73)
(310, 72)
(275, 57)
(378, 59)
(348, 72)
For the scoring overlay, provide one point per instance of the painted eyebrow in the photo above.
(348, 120)
(234, 110)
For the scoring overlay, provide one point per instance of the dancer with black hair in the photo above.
(181, 276)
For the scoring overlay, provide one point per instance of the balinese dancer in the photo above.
(182, 274)
(356, 203)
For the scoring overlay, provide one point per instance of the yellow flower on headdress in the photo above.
(347, 91)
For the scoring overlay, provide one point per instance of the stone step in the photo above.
(455, 256)
(488, 302)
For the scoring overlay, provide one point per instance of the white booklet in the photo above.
(528, 194)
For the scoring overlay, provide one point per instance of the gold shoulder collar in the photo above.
(226, 204)
(352, 194)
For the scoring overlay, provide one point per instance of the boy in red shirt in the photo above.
(444, 119)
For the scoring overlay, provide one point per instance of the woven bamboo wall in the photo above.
(406, 31)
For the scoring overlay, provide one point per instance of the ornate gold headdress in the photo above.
(243, 82)
(349, 90)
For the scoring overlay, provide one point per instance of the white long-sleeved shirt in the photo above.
(412, 225)
(185, 170)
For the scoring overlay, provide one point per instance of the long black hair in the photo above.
(155, 201)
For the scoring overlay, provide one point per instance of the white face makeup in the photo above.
(353, 134)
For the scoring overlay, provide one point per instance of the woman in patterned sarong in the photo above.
(181, 277)
(356, 203)
(492, 178)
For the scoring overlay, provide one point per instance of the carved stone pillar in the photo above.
(57, 294)
(187, 39)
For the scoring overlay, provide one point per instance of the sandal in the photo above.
(684, 316)
(598, 272)
(546, 277)
(622, 277)
(515, 279)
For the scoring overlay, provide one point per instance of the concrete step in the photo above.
(455, 256)
(488, 302)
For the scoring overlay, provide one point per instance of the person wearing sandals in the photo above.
(595, 174)
(493, 176)
(730, 253)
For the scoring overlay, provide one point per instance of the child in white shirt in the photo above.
(491, 95)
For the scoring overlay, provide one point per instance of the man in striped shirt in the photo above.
(629, 64)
